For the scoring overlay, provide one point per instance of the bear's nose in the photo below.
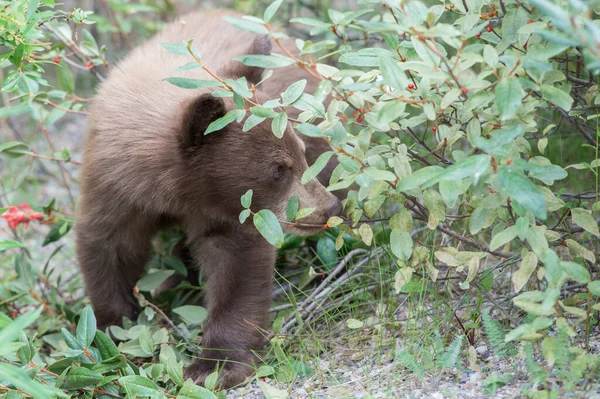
(334, 210)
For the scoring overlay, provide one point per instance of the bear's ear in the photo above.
(200, 113)
(261, 45)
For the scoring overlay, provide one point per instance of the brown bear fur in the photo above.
(148, 166)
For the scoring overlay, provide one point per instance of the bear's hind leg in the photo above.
(112, 253)
(238, 268)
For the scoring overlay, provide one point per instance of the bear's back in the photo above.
(132, 147)
(136, 94)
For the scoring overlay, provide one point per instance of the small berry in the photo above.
(492, 14)
(56, 59)
(484, 17)
(434, 128)
(492, 191)
(530, 21)
(452, 6)
(359, 119)
(465, 90)
(478, 35)
(88, 65)
(525, 46)
(354, 114)
(325, 226)
(489, 28)
(496, 13)
(411, 86)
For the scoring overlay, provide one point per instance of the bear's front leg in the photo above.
(238, 267)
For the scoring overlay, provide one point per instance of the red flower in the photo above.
(22, 213)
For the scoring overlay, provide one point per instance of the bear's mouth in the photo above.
(303, 229)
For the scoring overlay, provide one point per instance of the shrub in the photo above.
(468, 131)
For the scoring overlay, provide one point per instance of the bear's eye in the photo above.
(279, 173)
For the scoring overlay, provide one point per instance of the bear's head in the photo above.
(231, 161)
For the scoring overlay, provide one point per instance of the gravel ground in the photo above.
(340, 376)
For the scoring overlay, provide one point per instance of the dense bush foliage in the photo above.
(467, 134)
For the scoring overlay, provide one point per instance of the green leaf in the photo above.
(401, 244)
(490, 55)
(265, 61)
(557, 97)
(57, 113)
(279, 124)
(521, 190)
(244, 215)
(392, 74)
(263, 112)
(499, 138)
(268, 226)
(508, 97)
(479, 219)
(31, 8)
(594, 287)
(138, 386)
(367, 57)
(317, 167)
(89, 46)
(21, 380)
(558, 14)
(82, 378)
(187, 83)
(474, 166)
(264, 371)
(585, 220)
(252, 121)
(247, 25)
(271, 392)
(154, 280)
(5, 245)
(327, 252)
(105, 345)
(192, 314)
(527, 267)
(576, 272)
(65, 78)
(14, 110)
(503, 238)
(176, 48)
(378, 174)
(247, 199)
(190, 390)
(309, 130)
(86, 327)
(435, 205)
(418, 178)
(293, 93)
(224, 120)
(114, 363)
(239, 86)
(57, 231)
(291, 208)
(271, 10)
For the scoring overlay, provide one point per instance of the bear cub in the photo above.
(148, 166)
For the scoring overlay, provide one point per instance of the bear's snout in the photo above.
(334, 209)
